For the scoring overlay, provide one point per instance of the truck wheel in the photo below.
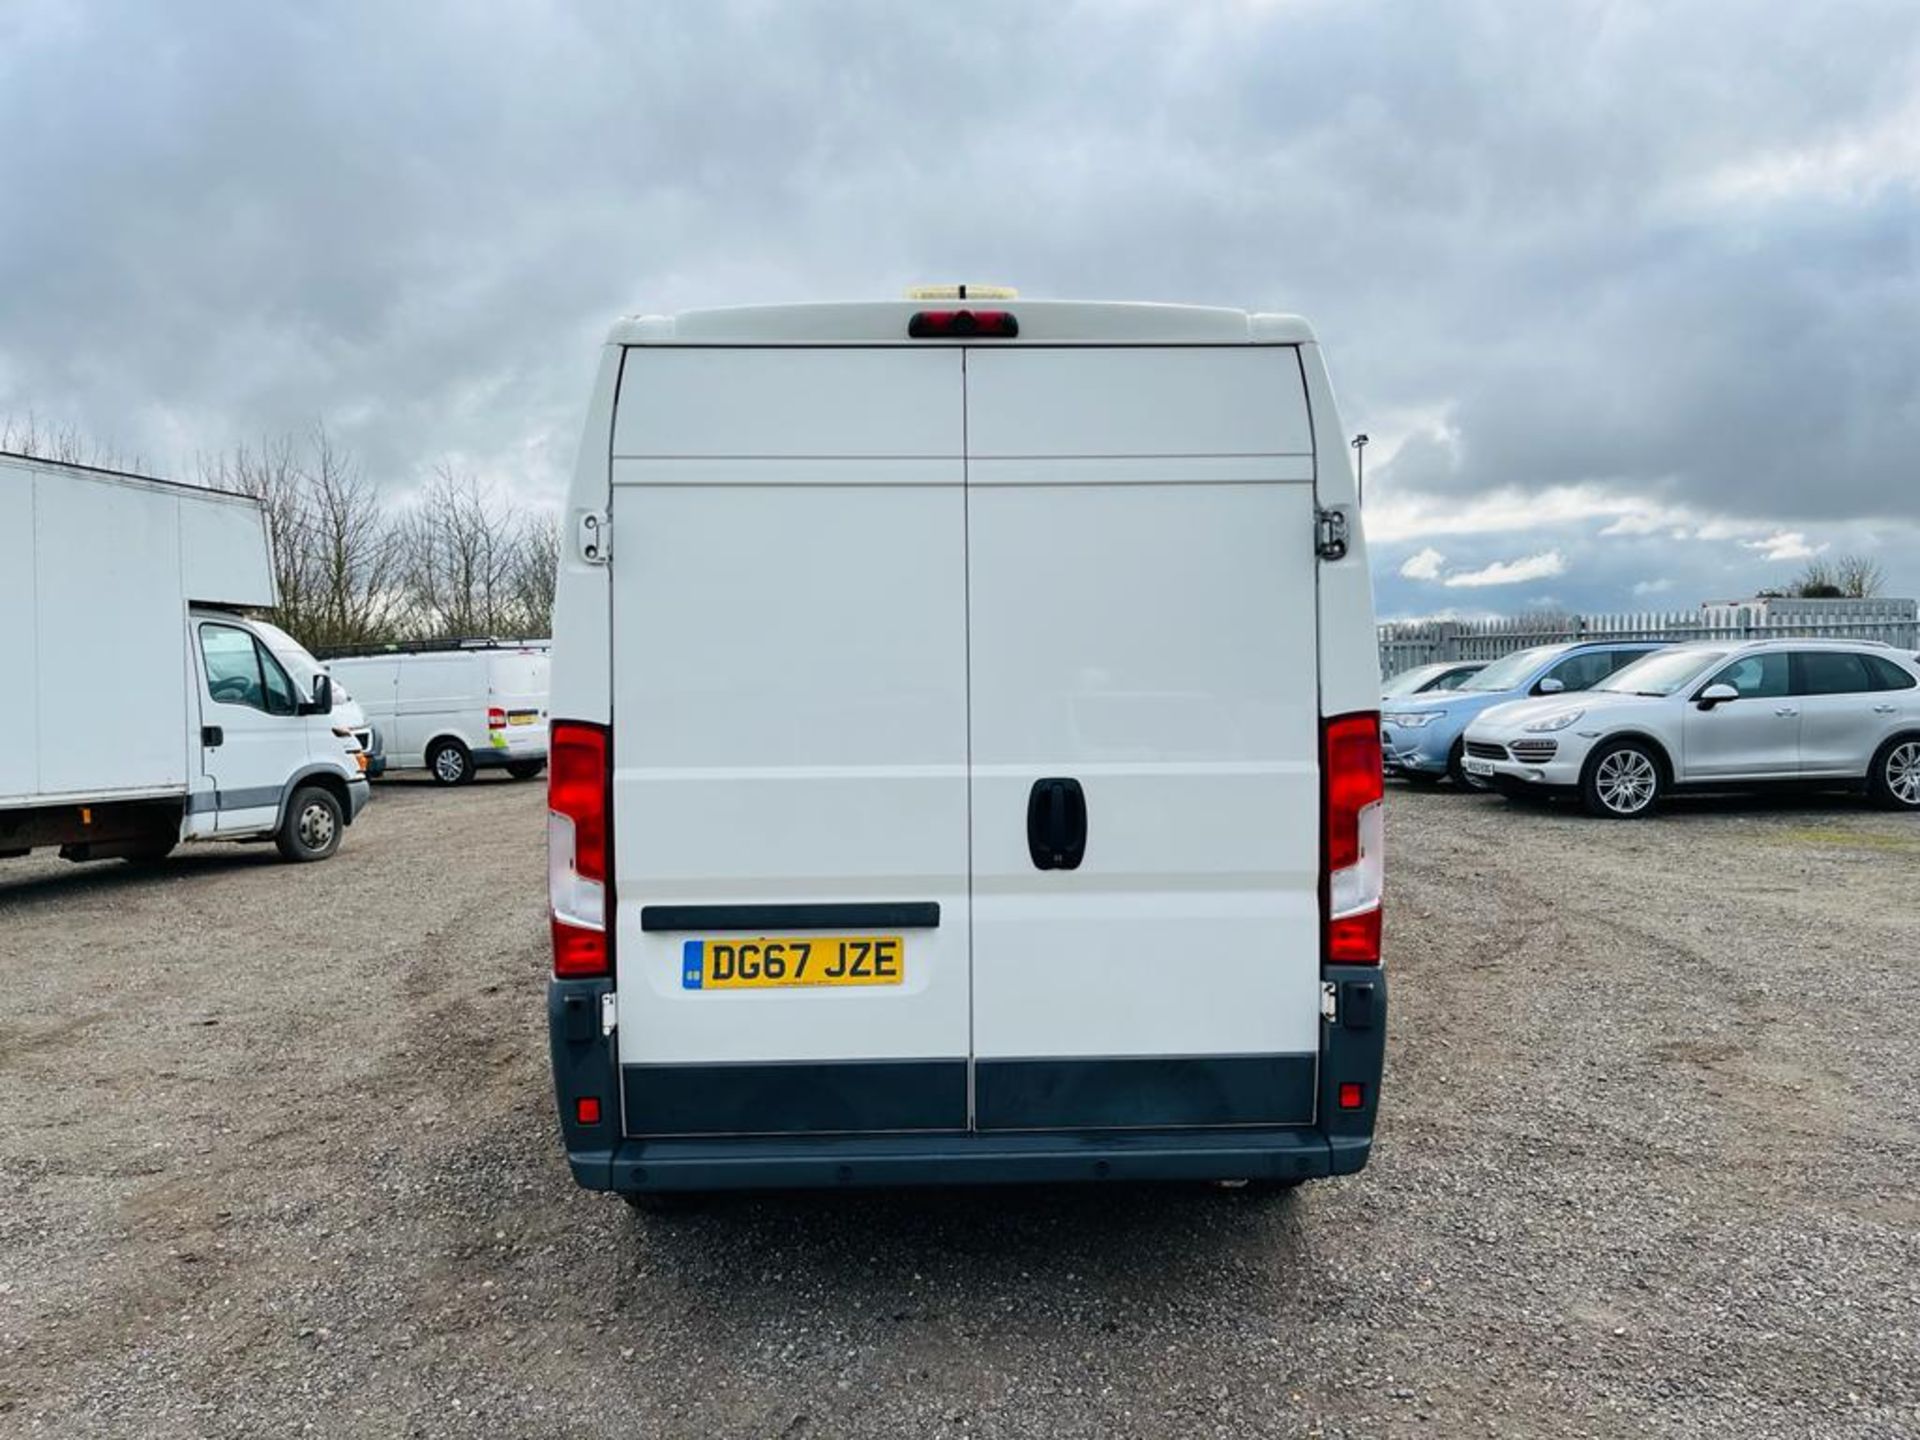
(525, 769)
(1621, 782)
(1894, 779)
(450, 764)
(311, 829)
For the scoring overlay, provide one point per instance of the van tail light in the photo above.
(496, 718)
(1354, 836)
(963, 325)
(579, 773)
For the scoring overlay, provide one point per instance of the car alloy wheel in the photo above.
(1626, 781)
(1903, 772)
(449, 765)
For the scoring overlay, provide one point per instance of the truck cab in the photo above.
(268, 730)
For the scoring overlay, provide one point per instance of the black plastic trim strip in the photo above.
(796, 1097)
(886, 915)
(1144, 1093)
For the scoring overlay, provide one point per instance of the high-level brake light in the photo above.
(579, 766)
(1352, 871)
(963, 325)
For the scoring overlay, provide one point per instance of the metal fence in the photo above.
(1415, 642)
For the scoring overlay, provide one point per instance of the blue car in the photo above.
(1421, 737)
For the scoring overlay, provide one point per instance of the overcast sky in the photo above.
(1627, 295)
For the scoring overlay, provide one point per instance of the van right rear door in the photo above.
(1144, 688)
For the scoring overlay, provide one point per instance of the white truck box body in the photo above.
(97, 570)
(868, 600)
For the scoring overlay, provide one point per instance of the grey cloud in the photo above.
(415, 221)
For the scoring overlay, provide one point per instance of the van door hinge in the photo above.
(609, 1012)
(1329, 1001)
(596, 537)
(1330, 534)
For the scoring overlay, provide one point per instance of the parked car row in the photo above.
(1621, 726)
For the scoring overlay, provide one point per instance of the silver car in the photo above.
(1715, 714)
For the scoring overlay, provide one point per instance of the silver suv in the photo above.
(1715, 714)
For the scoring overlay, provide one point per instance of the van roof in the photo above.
(1048, 322)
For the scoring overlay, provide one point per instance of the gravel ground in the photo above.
(277, 1157)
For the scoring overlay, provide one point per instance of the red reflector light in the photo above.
(1353, 1095)
(963, 325)
(578, 952)
(496, 719)
(586, 1109)
(1354, 939)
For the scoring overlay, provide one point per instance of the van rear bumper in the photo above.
(825, 1162)
(1352, 1052)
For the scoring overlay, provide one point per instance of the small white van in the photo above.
(452, 709)
(966, 754)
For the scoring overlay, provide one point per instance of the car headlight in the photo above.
(1551, 723)
(1414, 720)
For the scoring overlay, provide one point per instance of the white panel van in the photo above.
(966, 758)
(452, 710)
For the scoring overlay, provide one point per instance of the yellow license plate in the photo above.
(522, 717)
(759, 962)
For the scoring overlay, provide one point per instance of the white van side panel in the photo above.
(582, 611)
(1349, 652)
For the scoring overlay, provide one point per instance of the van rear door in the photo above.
(1144, 710)
(790, 747)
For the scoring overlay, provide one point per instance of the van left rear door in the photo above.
(790, 741)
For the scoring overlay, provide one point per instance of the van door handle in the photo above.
(1056, 824)
(1885, 709)
(212, 736)
(1785, 710)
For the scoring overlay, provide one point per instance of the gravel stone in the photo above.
(1649, 1164)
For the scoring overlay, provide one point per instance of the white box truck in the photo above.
(452, 708)
(965, 755)
(144, 708)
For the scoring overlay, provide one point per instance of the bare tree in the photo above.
(1817, 581)
(272, 476)
(536, 560)
(1858, 576)
(459, 548)
(352, 546)
(335, 545)
(63, 443)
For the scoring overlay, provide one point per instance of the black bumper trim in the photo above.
(968, 1159)
(1148, 1092)
(803, 1097)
